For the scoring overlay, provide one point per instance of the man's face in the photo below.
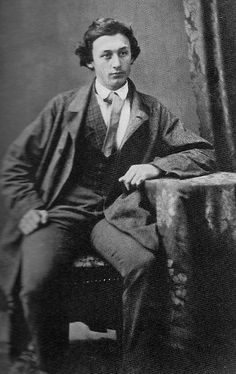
(111, 60)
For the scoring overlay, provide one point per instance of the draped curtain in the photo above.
(211, 32)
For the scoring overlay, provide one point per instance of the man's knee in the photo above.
(43, 256)
(121, 250)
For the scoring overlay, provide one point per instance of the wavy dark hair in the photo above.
(101, 27)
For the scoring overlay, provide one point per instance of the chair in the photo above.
(96, 289)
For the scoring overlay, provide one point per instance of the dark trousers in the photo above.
(47, 257)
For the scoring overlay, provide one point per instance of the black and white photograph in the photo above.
(118, 187)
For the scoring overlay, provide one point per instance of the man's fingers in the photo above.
(127, 185)
(129, 174)
(32, 219)
(43, 216)
(27, 228)
(134, 180)
(124, 181)
(128, 177)
(137, 181)
(137, 174)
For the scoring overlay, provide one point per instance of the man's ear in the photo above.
(90, 65)
(132, 61)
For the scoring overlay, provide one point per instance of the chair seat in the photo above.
(89, 261)
(94, 269)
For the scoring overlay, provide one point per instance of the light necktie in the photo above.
(110, 140)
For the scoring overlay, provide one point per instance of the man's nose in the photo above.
(115, 61)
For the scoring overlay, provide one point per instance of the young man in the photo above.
(62, 179)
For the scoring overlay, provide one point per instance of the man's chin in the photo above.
(117, 82)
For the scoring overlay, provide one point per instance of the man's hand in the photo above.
(32, 219)
(137, 174)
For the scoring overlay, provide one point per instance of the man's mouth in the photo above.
(118, 74)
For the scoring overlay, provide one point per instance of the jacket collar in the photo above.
(78, 105)
(79, 102)
(76, 109)
(139, 112)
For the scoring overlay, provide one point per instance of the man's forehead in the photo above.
(110, 42)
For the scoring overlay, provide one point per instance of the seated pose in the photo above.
(62, 179)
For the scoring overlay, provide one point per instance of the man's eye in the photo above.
(123, 53)
(106, 55)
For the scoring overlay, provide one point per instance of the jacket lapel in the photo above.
(138, 114)
(64, 157)
(77, 109)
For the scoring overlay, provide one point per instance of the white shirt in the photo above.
(101, 94)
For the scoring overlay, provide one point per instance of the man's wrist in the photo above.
(161, 172)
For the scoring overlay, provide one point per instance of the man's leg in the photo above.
(144, 297)
(47, 256)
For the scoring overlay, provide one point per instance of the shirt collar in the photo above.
(103, 92)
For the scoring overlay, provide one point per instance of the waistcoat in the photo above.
(93, 174)
(97, 171)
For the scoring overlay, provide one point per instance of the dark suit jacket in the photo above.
(39, 161)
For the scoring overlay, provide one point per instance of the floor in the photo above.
(83, 359)
(96, 353)
(90, 352)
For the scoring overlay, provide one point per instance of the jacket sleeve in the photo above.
(183, 153)
(21, 162)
